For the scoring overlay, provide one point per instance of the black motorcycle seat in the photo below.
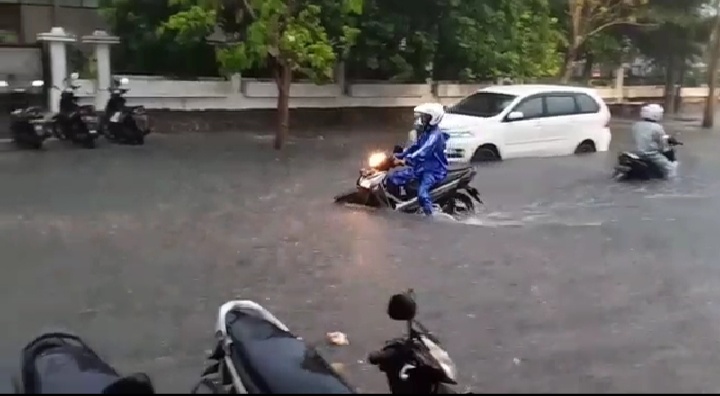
(273, 360)
(458, 172)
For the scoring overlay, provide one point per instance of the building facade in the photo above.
(22, 20)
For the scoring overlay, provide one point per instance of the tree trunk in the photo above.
(588, 69)
(283, 78)
(670, 76)
(569, 62)
(678, 87)
(712, 70)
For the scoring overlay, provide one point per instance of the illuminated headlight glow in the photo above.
(3, 84)
(38, 83)
(376, 159)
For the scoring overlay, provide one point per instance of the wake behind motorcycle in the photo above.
(634, 166)
(454, 195)
(74, 122)
(122, 123)
(257, 354)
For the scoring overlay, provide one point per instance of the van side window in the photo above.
(586, 104)
(531, 108)
(558, 105)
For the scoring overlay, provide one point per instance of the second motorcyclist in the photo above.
(426, 157)
(650, 138)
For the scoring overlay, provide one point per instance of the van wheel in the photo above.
(486, 153)
(587, 146)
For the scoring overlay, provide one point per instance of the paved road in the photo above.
(568, 282)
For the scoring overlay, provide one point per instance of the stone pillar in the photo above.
(57, 39)
(620, 84)
(102, 42)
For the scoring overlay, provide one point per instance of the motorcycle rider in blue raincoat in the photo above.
(426, 157)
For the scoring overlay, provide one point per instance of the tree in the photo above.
(142, 50)
(456, 40)
(587, 18)
(288, 36)
(712, 71)
(677, 37)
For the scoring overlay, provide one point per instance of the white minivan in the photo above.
(512, 121)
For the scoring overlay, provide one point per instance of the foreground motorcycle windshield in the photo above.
(276, 361)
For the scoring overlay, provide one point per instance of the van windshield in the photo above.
(482, 104)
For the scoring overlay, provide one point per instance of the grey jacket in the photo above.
(649, 137)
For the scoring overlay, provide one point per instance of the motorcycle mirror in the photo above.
(397, 149)
(402, 307)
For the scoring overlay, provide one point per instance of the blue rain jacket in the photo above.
(427, 154)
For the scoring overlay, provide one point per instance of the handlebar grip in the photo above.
(378, 357)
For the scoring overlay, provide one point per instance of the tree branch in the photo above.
(614, 23)
(249, 9)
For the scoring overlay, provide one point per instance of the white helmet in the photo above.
(428, 114)
(652, 112)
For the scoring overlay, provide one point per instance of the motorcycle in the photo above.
(634, 166)
(257, 353)
(62, 363)
(121, 123)
(27, 123)
(74, 122)
(453, 196)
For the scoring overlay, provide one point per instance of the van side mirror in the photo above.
(516, 115)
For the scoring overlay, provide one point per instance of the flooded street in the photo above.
(565, 282)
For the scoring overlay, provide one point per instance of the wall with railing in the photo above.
(242, 94)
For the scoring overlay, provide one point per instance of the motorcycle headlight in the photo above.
(3, 84)
(376, 159)
(38, 83)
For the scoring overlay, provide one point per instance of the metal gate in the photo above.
(22, 79)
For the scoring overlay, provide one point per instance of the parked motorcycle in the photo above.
(74, 122)
(634, 166)
(257, 353)
(62, 363)
(454, 195)
(122, 123)
(28, 124)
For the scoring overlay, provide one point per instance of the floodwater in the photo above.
(565, 281)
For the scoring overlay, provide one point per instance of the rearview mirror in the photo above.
(74, 75)
(402, 307)
(516, 115)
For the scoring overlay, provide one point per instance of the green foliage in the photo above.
(143, 50)
(456, 40)
(286, 33)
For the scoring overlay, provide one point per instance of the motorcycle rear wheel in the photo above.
(460, 204)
